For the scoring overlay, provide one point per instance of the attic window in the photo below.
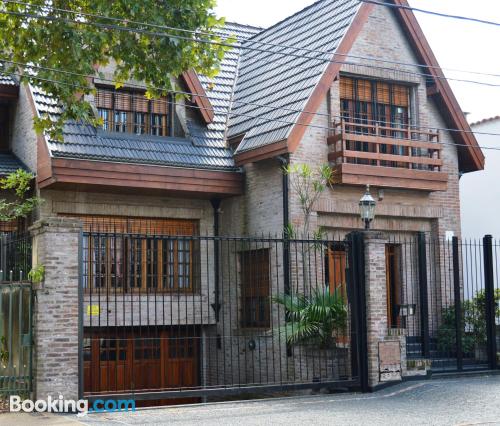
(127, 111)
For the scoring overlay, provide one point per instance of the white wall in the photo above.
(480, 191)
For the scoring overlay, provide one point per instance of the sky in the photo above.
(456, 44)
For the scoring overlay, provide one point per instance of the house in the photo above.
(479, 190)
(177, 292)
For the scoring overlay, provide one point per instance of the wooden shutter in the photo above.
(383, 93)
(401, 95)
(346, 88)
(364, 90)
(159, 106)
(104, 99)
(140, 103)
(122, 101)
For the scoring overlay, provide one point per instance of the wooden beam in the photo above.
(200, 97)
(120, 175)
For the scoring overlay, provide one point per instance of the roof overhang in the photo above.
(9, 91)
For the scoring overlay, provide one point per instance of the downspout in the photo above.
(216, 305)
(284, 161)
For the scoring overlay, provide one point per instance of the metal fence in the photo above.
(446, 294)
(185, 317)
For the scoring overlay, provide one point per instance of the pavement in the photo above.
(453, 401)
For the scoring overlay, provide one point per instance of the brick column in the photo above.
(55, 246)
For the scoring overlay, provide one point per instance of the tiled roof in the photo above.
(206, 147)
(9, 163)
(271, 78)
(5, 80)
(485, 120)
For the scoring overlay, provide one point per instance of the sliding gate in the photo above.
(179, 318)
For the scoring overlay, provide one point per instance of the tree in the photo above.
(66, 41)
(308, 183)
(18, 183)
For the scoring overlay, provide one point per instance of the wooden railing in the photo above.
(379, 145)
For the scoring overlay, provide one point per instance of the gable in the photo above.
(271, 138)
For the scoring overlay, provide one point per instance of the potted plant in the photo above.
(313, 323)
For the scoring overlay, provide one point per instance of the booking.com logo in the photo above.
(61, 405)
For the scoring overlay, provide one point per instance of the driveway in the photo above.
(461, 401)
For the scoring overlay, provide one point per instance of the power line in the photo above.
(270, 107)
(156, 34)
(430, 12)
(271, 120)
(253, 41)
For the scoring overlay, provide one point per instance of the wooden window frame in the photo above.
(260, 293)
(162, 107)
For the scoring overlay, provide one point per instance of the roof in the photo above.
(205, 148)
(485, 120)
(9, 163)
(285, 82)
(6, 80)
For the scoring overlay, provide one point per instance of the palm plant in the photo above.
(313, 319)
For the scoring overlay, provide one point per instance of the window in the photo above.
(135, 255)
(369, 101)
(255, 304)
(131, 112)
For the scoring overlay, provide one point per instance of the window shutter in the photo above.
(346, 88)
(122, 101)
(140, 103)
(159, 106)
(104, 99)
(383, 93)
(364, 91)
(401, 95)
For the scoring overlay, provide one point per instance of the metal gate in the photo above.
(183, 317)
(446, 294)
(16, 303)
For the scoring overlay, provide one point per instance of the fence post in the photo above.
(490, 305)
(356, 275)
(458, 302)
(424, 302)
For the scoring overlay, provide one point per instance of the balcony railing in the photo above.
(370, 152)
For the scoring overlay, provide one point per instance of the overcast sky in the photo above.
(456, 44)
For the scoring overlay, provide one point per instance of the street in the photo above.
(459, 401)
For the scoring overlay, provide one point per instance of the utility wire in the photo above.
(250, 40)
(287, 54)
(212, 98)
(430, 12)
(273, 120)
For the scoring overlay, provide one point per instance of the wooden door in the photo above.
(142, 361)
(335, 273)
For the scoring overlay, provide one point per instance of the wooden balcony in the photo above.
(387, 157)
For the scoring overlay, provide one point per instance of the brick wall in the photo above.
(56, 242)
(23, 136)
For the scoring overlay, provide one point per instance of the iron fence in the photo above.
(15, 256)
(190, 316)
(445, 294)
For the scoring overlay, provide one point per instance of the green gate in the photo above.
(15, 338)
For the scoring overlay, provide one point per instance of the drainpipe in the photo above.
(284, 161)
(216, 305)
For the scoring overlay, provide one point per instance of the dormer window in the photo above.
(131, 112)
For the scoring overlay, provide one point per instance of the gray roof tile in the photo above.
(285, 82)
(10, 163)
(205, 148)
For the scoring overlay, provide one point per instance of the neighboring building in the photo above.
(157, 171)
(480, 192)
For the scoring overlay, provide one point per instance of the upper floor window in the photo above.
(366, 101)
(132, 112)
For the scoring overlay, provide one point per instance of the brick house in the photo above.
(211, 165)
